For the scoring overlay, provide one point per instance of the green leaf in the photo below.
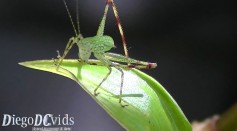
(151, 108)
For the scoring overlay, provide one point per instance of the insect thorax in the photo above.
(96, 44)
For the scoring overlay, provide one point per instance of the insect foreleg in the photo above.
(68, 47)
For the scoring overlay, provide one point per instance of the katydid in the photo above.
(99, 45)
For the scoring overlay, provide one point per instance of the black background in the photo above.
(192, 41)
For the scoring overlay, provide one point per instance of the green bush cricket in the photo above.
(99, 45)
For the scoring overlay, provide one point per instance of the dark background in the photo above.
(192, 41)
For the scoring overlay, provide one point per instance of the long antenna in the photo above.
(119, 26)
(69, 14)
(77, 11)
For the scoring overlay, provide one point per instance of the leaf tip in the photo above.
(23, 63)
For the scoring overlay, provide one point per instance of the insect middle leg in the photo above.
(109, 64)
(121, 87)
(105, 78)
(121, 84)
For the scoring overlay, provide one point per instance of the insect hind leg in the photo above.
(132, 63)
(111, 2)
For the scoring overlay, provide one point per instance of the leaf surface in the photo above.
(151, 108)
